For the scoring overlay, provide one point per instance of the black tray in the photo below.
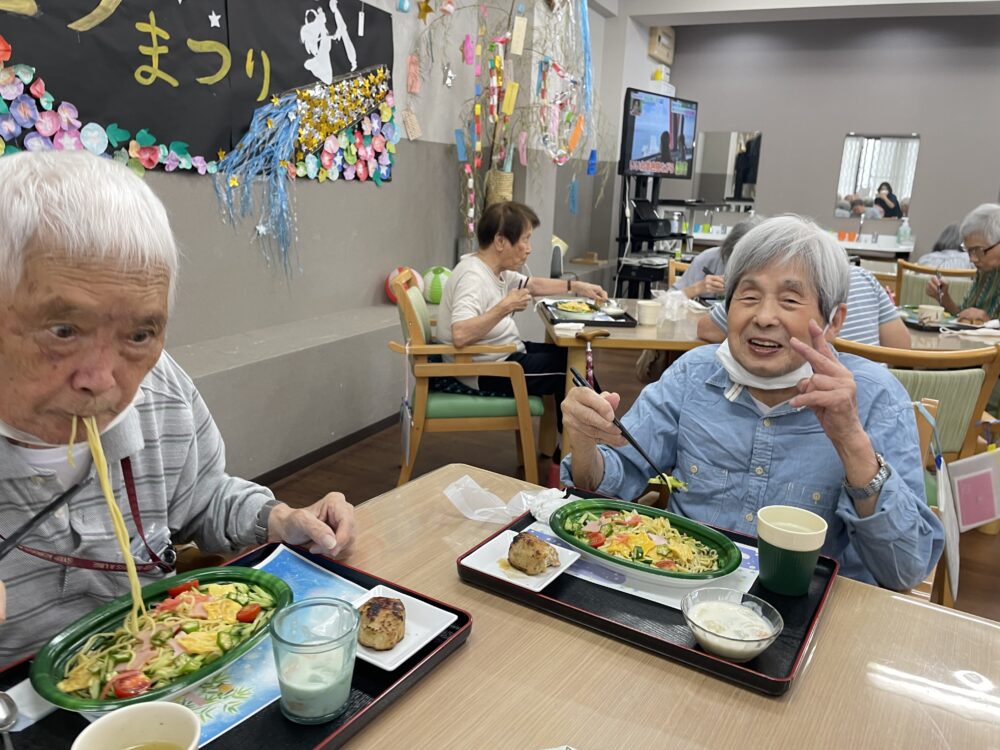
(662, 629)
(372, 689)
(620, 321)
(910, 320)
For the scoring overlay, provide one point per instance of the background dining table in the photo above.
(884, 669)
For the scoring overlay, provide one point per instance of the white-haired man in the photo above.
(774, 415)
(87, 269)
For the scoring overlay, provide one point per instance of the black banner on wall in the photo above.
(189, 70)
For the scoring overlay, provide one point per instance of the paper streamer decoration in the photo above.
(460, 145)
(510, 98)
(413, 79)
(468, 50)
(522, 148)
(517, 35)
(412, 125)
(592, 162)
(573, 196)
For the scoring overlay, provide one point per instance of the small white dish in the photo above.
(135, 725)
(423, 622)
(491, 559)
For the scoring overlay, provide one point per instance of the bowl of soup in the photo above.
(732, 624)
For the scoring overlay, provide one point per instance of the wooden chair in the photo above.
(960, 380)
(434, 411)
(911, 279)
(674, 269)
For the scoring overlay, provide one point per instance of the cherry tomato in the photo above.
(181, 588)
(595, 538)
(131, 684)
(248, 613)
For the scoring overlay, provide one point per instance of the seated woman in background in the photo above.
(487, 288)
(947, 251)
(872, 318)
(888, 202)
(980, 232)
(704, 278)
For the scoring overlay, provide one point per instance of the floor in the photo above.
(371, 467)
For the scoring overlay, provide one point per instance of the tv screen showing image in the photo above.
(658, 135)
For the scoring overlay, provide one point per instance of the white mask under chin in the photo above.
(12, 433)
(743, 378)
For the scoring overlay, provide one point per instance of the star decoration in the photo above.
(234, 182)
(424, 9)
(261, 230)
(275, 100)
(213, 19)
(222, 154)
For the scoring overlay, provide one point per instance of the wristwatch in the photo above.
(569, 285)
(260, 525)
(873, 487)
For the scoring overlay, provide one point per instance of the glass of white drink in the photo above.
(315, 642)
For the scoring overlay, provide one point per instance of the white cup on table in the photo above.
(648, 312)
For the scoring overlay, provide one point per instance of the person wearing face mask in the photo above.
(485, 290)
(87, 269)
(774, 415)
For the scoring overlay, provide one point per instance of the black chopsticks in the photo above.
(14, 539)
(582, 382)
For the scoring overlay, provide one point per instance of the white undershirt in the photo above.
(764, 408)
(54, 460)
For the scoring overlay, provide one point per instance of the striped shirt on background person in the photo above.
(178, 464)
(868, 307)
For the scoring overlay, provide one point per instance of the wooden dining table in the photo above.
(884, 670)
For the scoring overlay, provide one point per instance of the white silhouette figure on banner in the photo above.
(343, 37)
(317, 40)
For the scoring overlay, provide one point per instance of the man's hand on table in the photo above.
(326, 526)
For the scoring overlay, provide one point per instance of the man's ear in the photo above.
(836, 322)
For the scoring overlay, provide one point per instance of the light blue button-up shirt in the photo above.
(736, 460)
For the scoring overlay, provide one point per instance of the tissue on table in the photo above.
(477, 504)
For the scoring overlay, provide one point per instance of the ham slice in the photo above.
(593, 526)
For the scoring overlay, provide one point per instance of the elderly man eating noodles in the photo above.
(774, 415)
(87, 270)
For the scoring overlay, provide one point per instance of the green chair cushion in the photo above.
(956, 390)
(459, 405)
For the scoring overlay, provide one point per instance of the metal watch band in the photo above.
(874, 486)
(260, 525)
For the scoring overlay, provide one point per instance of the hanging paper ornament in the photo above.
(447, 7)
(449, 74)
(403, 6)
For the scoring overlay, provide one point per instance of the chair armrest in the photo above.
(425, 349)
(501, 369)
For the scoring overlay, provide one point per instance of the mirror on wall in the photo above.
(876, 176)
(727, 166)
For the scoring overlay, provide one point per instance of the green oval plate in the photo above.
(730, 556)
(49, 664)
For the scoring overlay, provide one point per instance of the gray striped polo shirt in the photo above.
(179, 466)
(868, 307)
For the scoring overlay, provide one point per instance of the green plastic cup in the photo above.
(789, 540)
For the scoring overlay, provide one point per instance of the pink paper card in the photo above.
(976, 499)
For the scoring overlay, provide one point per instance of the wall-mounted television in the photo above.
(658, 134)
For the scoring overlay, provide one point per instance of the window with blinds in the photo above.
(870, 160)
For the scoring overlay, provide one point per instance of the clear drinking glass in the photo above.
(315, 642)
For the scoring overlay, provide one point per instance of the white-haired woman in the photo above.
(775, 415)
(87, 269)
(980, 233)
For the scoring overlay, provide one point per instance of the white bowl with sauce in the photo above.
(730, 623)
(157, 725)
